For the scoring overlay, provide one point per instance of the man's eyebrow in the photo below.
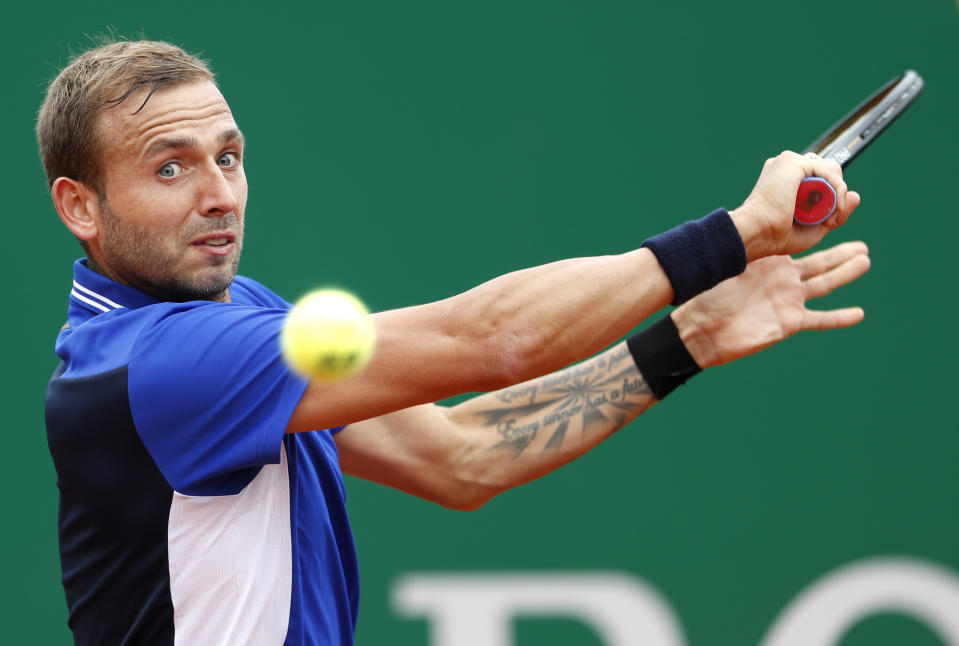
(165, 144)
(231, 135)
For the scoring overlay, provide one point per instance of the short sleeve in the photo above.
(211, 395)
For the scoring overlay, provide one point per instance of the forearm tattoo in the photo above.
(598, 395)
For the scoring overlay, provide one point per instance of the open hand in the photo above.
(767, 303)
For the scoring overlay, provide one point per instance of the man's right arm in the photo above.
(532, 322)
(464, 455)
(510, 329)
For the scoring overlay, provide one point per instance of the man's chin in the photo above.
(215, 289)
(214, 279)
(209, 286)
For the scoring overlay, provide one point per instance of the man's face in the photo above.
(171, 213)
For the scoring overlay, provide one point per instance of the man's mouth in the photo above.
(216, 243)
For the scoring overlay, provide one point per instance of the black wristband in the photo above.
(699, 254)
(661, 357)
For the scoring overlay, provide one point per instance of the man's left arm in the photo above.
(464, 455)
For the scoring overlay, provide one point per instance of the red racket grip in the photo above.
(815, 201)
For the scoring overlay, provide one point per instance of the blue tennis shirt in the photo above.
(187, 515)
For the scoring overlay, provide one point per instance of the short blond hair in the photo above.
(96, 80)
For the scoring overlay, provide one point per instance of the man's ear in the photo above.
(78, 206)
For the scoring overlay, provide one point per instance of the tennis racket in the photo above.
(846, 140)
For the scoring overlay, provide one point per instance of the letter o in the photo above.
(826, 609)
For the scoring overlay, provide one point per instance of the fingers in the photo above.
(822, 261)
(765, 220)
(833, 319)
(824, 271)
(846, 200)
(828, 169)
(843, 211)
(841, 275)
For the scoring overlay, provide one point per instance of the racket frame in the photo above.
(852, 134)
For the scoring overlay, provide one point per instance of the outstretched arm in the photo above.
(464, 455)
(535, 321)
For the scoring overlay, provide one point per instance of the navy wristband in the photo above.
(699, 254)
(661, 357)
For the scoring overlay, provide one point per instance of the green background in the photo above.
(410, 150)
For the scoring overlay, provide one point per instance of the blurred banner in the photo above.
(624, 611)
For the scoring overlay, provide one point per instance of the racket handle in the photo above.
(815, 201)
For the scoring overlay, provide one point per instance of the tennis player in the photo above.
(201, 497)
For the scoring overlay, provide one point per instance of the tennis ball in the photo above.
(328, 335)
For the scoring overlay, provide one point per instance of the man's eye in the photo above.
(228, 160)
(169, 171)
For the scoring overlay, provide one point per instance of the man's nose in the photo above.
(217, 197)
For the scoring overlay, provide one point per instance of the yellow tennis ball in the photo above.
(328, 335)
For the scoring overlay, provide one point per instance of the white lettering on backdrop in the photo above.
(478, 609)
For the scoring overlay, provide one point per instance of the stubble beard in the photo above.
(139, 258)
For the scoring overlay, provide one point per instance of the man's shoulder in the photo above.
(246, 291)
(107, 339)
(104, 342)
